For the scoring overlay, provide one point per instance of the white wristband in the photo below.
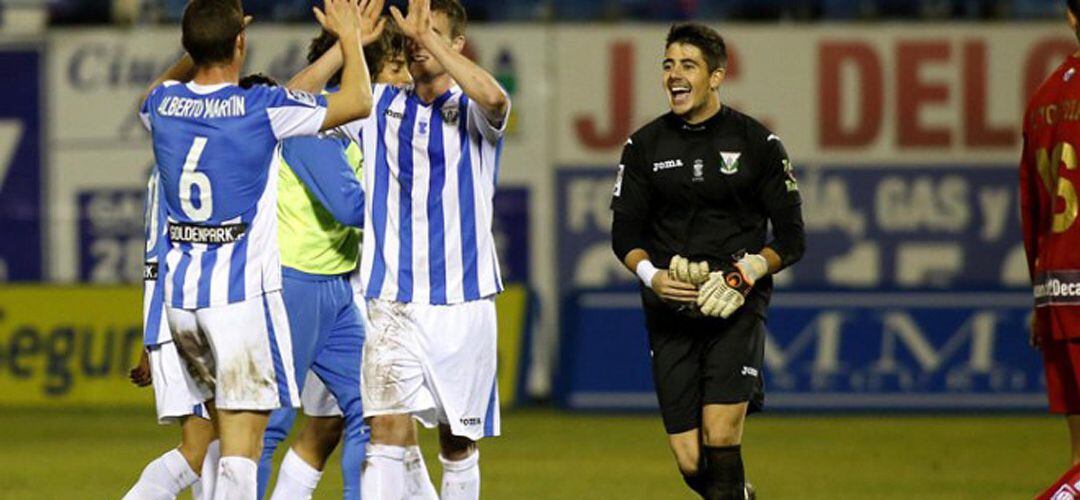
(646, 271)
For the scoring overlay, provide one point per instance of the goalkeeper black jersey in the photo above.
(707, 192)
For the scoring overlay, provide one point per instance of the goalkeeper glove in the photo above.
(694, 273)
(726, 290)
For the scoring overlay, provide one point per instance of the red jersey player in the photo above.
(1049, 203)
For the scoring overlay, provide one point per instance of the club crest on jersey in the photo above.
(1069, 74)
(451, 113)
(699, 170)
(729, 164)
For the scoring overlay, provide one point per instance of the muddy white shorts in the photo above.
(436, 363)
(238, 353)
(175, 393)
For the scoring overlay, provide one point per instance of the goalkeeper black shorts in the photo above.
(698, 361)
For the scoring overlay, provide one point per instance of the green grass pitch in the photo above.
(63, 454)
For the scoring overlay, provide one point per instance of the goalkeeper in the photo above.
(696, 191)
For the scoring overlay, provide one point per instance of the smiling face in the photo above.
(691, 87)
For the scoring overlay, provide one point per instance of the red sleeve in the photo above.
(1029, 206)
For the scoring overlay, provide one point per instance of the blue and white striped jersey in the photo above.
(215, 148)
(430, 172)
(153, 293)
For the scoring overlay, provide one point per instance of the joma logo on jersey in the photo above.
(471, 421)
(394, 114)
(666, 165)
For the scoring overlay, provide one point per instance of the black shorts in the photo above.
(698, 361)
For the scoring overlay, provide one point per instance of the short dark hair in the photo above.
(1074, 6)
(257, 79)
(210, 28)
(705, 39)
(455, 12)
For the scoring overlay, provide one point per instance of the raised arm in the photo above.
(353, 101)
(477, 83)
(313, 78)
(182, 70)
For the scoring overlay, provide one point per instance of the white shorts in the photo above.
(316, 399)
(436, 363)
(238, 353)
(175, 392)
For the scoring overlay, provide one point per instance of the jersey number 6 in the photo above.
(190, 179)
(1048, 164)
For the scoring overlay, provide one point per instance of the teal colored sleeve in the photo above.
(320, 163)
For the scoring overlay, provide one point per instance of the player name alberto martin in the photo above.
(186, 107)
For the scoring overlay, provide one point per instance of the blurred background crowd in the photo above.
(64, 12)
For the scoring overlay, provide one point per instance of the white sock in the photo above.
(296, 480)
(236, 479)
(208, 478)
(418, 484)
(461, 479)
(163, 479)
(384, 473)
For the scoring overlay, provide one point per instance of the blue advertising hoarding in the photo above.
(829, 351)
(20, 164)
(511, 230)
(111, 240)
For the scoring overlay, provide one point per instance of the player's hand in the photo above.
(372, 21)
(695, 273)
(140, 375)
(418, 23)
(341, 18)
(724, 293)
(669, 288)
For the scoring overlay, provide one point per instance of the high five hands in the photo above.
(343, 17)
(418, 21)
